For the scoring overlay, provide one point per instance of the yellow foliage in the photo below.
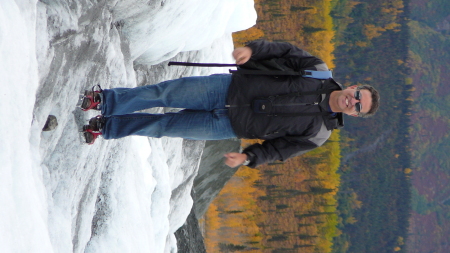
(361, 44)
(300, 177)
(355, 203)
(243, 37)
(351, 220)
(391, 11)
(409, 80)
(352, 4)
(371, 31)
(237, 195)
(391, 26)
(324, 48)
(212, 224)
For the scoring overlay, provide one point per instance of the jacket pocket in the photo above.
(262, 105)
(271, 134)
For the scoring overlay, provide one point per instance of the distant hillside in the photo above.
(430, 65)
(432, 13)
(372, 48)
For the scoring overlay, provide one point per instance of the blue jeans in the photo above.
(204, 118)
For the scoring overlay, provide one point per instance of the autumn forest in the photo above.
(355, 193)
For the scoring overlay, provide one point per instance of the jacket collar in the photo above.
(336, 121)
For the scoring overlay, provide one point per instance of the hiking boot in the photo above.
(95, 124)
(91, 99)
(93, 129)
(90, 136)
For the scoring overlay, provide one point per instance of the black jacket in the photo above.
(285, 135)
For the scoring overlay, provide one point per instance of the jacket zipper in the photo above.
(315, 103)
(231, 106)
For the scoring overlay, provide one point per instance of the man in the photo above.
(292, 113)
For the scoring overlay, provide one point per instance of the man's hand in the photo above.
(242, 55)
(235, 159)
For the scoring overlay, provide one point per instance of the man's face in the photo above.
(344, 101)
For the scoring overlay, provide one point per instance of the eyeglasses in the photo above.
(358, 106)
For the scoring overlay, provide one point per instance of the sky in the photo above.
(127, 195)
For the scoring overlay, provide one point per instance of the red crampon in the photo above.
(91, 99)
(93, 129)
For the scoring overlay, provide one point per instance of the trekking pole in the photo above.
(192, 64)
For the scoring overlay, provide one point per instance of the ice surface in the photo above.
(127, 195)
(158, 31)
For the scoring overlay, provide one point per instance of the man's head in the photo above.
(362, 101)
